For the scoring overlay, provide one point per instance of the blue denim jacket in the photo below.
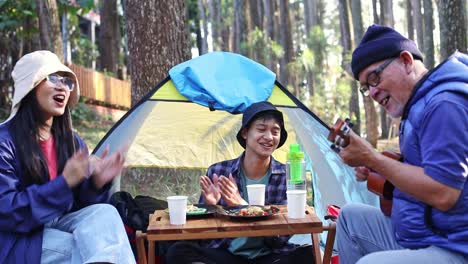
(25, 210)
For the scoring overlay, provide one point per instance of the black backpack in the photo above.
(135, 211)
(135, 214)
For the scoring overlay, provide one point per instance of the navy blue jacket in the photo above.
(434, 136)
(25, 210)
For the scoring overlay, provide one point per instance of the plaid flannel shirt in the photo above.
(275, 194)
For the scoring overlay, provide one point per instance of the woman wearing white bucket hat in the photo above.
(49, 196)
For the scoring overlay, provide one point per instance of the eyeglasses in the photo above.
(373, 78)
(57, 79)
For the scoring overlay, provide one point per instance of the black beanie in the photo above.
(380, 43)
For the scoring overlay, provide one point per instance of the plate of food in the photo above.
(198, 210)
(249, 212)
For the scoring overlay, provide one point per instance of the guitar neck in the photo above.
(339, 136)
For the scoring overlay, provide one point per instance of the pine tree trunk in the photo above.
(429, 36)
(216, 24)
(386, 18)
(204, 26)
(375, 12)
(285, 40)
(109, 48)
(239, 25)
(269, 16)
(49, 26)
(371, 121)
(311, 21)
(409, 20)
(354, 108)
(418, 22)
(309, 15)
(453, 27)
(156, 45)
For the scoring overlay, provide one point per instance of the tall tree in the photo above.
(226, 24)
(110, 37)
(428, 36)
(346, 39)
(269, 23)
(253, 13)
(418, 23)
(386, 18)
(255, 38)
(409, 19)
(453, 26)
(313, 10)
(193, 22)
(49, 26)
(239, 33)
(375, 12)
(285, 40)
(310, 18)
(204, 25)
(319, 46)
(156, 45)
(386, 12)
(215, 12)
(354, 109)
(346, 32)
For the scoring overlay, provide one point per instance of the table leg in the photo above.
(151, 252)
(316, 248)
(140, 244)
(331, 228)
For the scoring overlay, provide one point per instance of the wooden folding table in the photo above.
(160, 229)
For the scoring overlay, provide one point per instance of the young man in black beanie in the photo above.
(429, 219)
(261, 133)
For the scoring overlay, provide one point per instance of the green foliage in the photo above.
(192, 20)
(91, 126)
(332, 102)
(277, 49)
(318, 43)
(79, 7)
(162, 182)
(259, 44)
(14, 13)
(227, 12)
(109, 73)
(81, 113)
(83, 50)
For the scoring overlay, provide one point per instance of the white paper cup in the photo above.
(256, 193)
(177, 209)
(296, 203)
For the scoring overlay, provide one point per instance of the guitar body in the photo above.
(375, 183)
(383, 188)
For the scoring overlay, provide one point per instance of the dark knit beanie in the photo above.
(380, 43)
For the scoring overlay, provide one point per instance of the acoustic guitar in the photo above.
(339, 136)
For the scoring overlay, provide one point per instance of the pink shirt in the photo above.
(48, 148)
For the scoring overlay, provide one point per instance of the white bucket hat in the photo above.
(33, 68)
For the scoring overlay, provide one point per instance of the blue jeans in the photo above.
(92, 234)
(365, 235)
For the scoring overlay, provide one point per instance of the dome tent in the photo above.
(190, 121)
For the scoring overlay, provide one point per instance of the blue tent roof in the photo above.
(205, 81)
